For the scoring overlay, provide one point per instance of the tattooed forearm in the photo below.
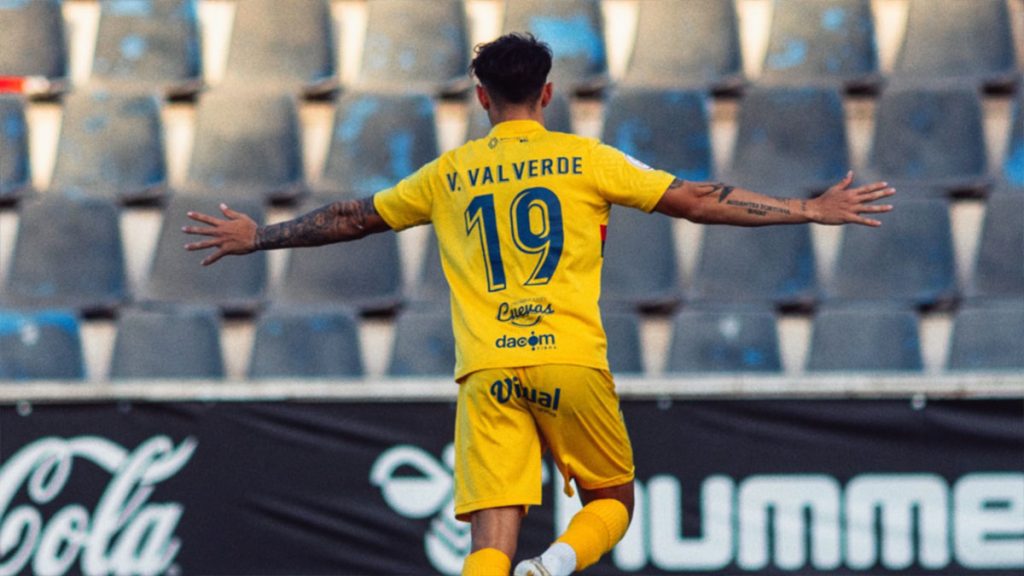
(712, 188)
(337, 222)
(758, 208)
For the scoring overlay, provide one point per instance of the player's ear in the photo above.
(545, 94)
(483, 97)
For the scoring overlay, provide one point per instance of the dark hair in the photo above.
(513, 68)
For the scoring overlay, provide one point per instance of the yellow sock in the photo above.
(487, 562)
(595, 530)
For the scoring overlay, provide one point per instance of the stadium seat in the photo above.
(15, 167)
(641, 271)
(963, 40)
(172, 342)
(33, 43)
(772, 265)
(294, 342)
(1013, 162)
(282, 46)
(908, 260)
(718, 339)
(424, 343)
(40, 345)
(668, 129)
(233, 155)
(791, 141)
(575, 31)
(931, 138)
(377, 139)
(988, 336)
(236, 285)
(694, 44)
(625, 350)
(815, 42)
(557, 117)
(869, 338)
(366, 275)
(999, 264)
(417, 46)
(111, 145)
(67, 254)
(430, 285)
(148, 46)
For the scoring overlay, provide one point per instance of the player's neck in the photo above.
(508, 113)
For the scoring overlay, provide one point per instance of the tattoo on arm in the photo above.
(340, 221)
(758, 208)
(712, 188)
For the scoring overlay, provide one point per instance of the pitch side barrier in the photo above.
(733, 386)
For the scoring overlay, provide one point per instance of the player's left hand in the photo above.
(841, 204)
(234, 236)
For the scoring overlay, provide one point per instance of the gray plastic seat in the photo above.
(111, 145)
(282, 46)
(999, 263)
(67, 254)
(908, 260)
(724, 339)
(366, 275)
(236, 284)
(965, 40)
(40, 345)
(148, 45)
(294, 342)
(988, 336)
(15, 167)
(233, 155)
(871, 338)
(431, 285)
(770, 265)
(424, 343)
(1013, 162)
(172, 342)
(557, 117)
(688, 44)
(33, 43)
(625, 350)
(822, 42)
(575, 31)
(377, 139)
(791, 141)
(929, 137)
(668, 129)
(640, 265)
(417, 46)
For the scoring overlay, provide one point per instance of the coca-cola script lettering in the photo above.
(126, 532)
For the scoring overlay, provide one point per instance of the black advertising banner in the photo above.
(724, 487)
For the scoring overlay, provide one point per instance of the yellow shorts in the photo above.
(506, 417)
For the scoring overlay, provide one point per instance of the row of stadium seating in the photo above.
(304, 343)
(289, 45)
(68, 253)
(927, 141)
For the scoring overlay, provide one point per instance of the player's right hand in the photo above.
(234, 235)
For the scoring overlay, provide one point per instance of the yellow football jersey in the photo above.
(520, 218)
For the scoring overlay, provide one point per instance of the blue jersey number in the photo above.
(536, 216)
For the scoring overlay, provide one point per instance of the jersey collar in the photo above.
(515, 127)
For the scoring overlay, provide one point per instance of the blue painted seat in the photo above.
(376, 140)
(146, 336)
(40, 345)
(15, 167)
(298, 342)
(33, 41)
(870, 338)
(148, 46)
(416, 46)
(715, 339)
(67, 254)
(703, 53)
(575, 31)
(625, 349)
(999, 264)
(424, 343)
(641, 270)
(987, 336)
(822, 42)
(111, 145)
(1013, 161)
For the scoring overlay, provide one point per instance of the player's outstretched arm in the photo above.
(238, 234)
(717, 203)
